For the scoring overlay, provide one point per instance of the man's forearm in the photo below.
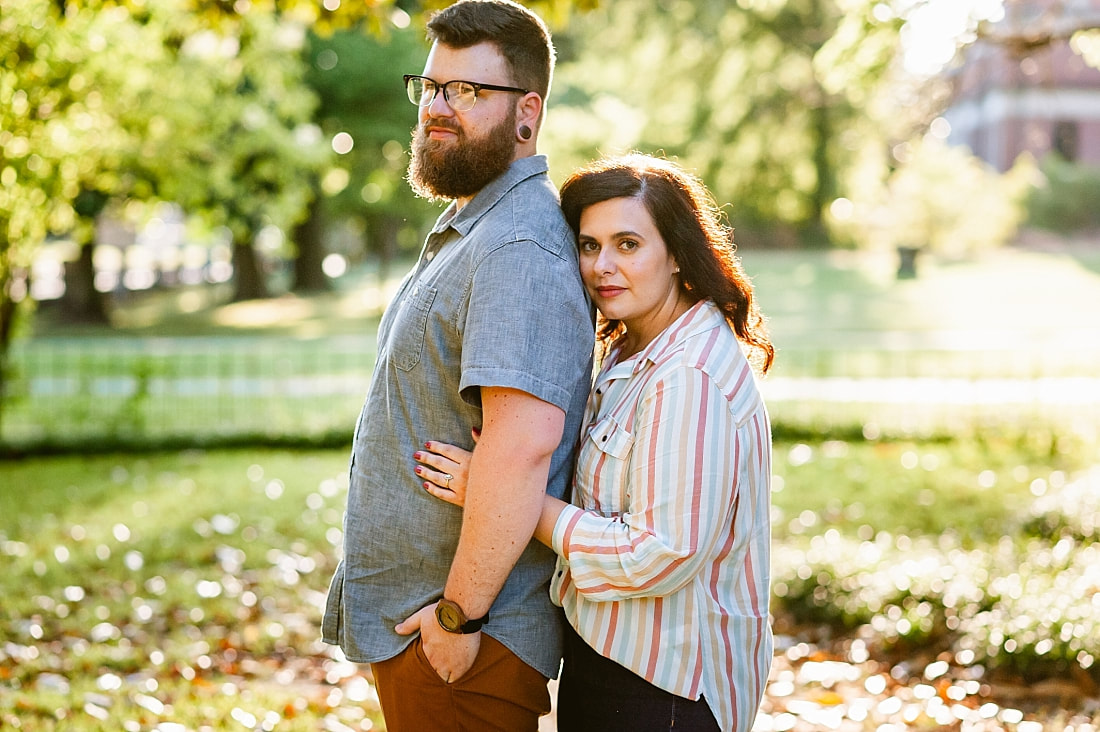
(504, 497)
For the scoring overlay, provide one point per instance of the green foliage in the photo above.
(100, 103)
(772, 102)
(1010, 606)
(357, 78)
(243, 151)
(1006, 600)
(1067, 511)
(1064, 198)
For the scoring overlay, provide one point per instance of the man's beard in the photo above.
(461, 168)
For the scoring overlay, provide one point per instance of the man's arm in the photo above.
(504, 495)
(508, 474)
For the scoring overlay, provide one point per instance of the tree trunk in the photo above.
(309, 238)
(82, 302)
(382, 242)
(907, 262)
(8, 308)
(250, 281)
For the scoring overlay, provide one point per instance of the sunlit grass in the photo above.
(1010, 299)
(180, 587)
(186, 587)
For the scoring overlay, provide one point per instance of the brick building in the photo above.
(1022, 88)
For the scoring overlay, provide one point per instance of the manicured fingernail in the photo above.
(427, 486)
(427, 445)
(416, 456)
(418, 470)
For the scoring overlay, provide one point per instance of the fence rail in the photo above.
(133, 391)
(122, 392)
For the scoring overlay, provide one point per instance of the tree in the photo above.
(102, 101)
(363, 101)
(940, 199)
(113, 77)
(769, 101)
(245, 152)
(49, 112)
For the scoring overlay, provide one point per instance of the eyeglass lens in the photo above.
(460, 95)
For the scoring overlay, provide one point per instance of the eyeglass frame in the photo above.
(443, 87)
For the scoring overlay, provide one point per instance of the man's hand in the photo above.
(450, 654)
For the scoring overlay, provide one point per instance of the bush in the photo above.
(1065, 198)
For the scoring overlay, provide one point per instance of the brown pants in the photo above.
(500, 692)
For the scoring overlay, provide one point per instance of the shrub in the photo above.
(1065, 198)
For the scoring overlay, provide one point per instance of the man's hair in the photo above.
(521, 37)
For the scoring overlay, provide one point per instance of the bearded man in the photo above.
(490, 333)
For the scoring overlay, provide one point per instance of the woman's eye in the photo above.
(628, 244)
(589, 246)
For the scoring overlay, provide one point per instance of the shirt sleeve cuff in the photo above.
(563, 529)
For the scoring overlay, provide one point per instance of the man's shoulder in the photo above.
(530, 212)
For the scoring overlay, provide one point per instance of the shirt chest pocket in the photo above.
(610, 447)
(409, 327)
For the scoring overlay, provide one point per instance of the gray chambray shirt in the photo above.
(494, 300)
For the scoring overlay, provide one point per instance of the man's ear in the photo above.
(528, 112)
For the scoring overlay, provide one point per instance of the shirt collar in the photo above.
(489, 196)
(700, 317)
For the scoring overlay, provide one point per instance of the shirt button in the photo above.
(429, 256)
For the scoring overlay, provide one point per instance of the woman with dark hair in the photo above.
(663, 568)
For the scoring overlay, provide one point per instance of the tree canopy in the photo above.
(256, 114)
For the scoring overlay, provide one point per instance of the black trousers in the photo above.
(596, 694)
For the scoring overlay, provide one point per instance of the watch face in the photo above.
(449, 618)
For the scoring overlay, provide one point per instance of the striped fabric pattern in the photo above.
(664, 558)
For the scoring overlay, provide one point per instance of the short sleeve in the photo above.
(528, 326)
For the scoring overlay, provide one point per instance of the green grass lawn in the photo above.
(178, 587)
(184, 587)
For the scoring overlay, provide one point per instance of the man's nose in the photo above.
(439, 107)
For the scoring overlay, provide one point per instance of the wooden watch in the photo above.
(453, 620)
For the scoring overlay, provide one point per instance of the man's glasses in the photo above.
(461, 95)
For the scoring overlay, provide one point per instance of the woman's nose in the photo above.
(605, 262)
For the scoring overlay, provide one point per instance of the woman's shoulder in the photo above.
(715, 356)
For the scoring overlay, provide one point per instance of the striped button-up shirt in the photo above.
(664, 556)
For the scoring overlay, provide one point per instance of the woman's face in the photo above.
(627, 267)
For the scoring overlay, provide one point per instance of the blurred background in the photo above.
(915, 186)
(203, 213)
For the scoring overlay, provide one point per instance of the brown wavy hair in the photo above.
(694, 231)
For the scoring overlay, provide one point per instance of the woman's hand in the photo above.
(444, 469)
